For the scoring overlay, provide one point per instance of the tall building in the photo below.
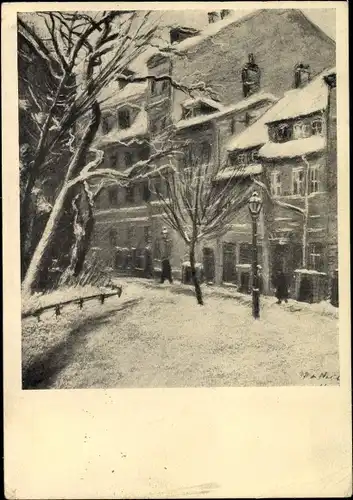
(246, 65)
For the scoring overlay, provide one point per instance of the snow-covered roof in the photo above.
(236, 172)
(239, 106)
(202, 100)
(303, 101)
(295, 103)
(212, 29)
(292, 149)
(112, 96)
(138, 128)
(241, 15)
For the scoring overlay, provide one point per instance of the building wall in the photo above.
(332, 229)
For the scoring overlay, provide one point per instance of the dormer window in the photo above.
(317, 127)
(241, 159)
(198, 106)
(178, 34)
(124, 119)
(122, 82)
(301, 130)
(283, 133)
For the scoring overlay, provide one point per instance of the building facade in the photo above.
(245, 71)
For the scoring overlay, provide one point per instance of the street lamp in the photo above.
(255, 205)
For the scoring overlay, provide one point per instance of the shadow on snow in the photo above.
(46, 366)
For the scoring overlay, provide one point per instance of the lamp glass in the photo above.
(255, 203)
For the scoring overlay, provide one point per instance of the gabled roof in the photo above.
(295, 103)
(303, 101)
(242, 15)
(240, 106)
(292, 149)
(113, 96)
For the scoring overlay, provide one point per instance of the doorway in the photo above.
(229, 263)
(209, 264)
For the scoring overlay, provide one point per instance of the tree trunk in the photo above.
(47, 238)
(195, 281)
(88, 226)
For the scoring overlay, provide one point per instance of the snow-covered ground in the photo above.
(157, 336)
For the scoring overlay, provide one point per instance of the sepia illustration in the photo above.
(178, 198)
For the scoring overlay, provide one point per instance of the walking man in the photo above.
(281, 287)
(166, 249)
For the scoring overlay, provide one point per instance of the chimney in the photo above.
(213, 17)
(251, 77)
(224, 13)
(302, 75)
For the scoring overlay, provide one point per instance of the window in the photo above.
(253, 156)
(276, 185)
(105, 124)
(205, 152)
(113, 196)
(114, 160)
(155, 87)
(144, 154)
(165, 85)
(145, 190)
(317, 127)
(298, 181)
(147, 235)
(316, 260)
(301, 130)
(187, 113)
(245, 253)
(113, 238)
(129, 194)
(128, 159)
(157, 184)
(283, 133)
(314, 182)
(124, 119)
(241, 159)
(155, 126)
(130, 235)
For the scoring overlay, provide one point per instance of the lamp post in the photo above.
(255, 205)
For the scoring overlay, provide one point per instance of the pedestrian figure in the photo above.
(165, 257)
(281, 287)
(54, 273)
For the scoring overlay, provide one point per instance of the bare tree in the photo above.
(197, 202)
(85, 53)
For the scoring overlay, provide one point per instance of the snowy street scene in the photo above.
(156, 337)
(178, 198)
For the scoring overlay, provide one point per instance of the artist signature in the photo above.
(322, 375)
